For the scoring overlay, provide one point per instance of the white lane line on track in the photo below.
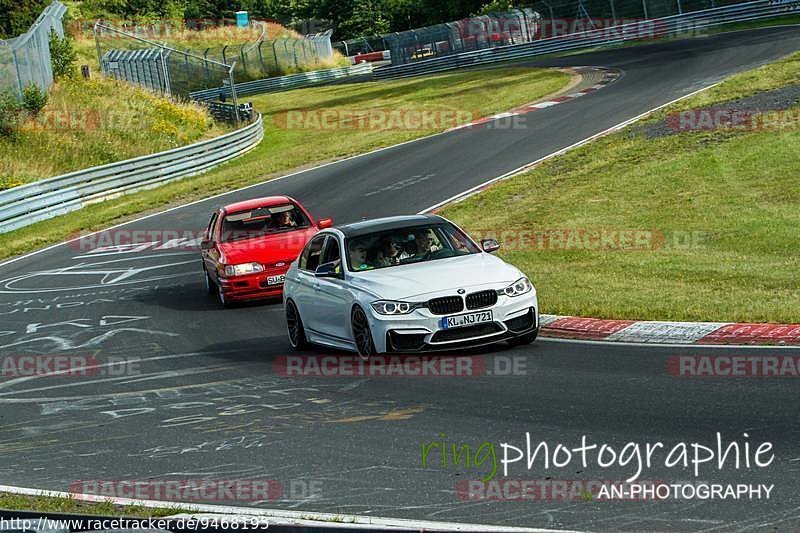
(519, 170)
(220, 195)
(278, 517)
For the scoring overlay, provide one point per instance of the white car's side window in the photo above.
(332, 252)
(310, 258)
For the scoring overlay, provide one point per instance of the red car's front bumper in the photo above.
(252, 287)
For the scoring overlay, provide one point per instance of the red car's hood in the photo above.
(267, 249)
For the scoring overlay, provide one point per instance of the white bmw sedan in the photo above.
(405, 284)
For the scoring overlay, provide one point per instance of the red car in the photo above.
(248, 246)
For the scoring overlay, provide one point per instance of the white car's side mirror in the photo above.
(490, 245)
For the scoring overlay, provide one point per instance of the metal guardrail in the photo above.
(26, 204)
(230, 113)
(26, 58)
(284, 83)
(608, 36)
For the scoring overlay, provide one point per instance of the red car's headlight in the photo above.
(243, 269)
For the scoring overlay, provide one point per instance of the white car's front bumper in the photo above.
(422, 331)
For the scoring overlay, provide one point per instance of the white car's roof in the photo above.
(388, 223)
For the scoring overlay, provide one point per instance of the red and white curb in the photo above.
(609, 76)
(659, 332)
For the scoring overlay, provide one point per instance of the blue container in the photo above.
(242, 19)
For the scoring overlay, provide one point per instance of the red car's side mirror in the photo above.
(325, 223)
(206, 244)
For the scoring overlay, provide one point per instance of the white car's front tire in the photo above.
(362, 335)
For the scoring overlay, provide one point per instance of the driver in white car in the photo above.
(358, 255)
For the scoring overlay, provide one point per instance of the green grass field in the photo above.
(52, 504)
(94, 122)
(725, 202)
(285, 149)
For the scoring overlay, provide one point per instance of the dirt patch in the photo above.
(759, 111)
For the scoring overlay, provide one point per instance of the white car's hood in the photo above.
(413, 280)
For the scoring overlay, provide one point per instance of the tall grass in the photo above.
(97, 121)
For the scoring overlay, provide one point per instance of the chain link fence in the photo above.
(475, 33)
(160, 68)
(258, 58)
(264, 58)
(26, 59)
(596, 13)
(538, 19)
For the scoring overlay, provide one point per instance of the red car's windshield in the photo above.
(261, 221)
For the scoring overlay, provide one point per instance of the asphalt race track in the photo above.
(206, 401)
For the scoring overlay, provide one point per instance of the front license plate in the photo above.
(276, 280)
(469, 319)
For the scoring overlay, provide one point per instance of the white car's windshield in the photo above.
(402, 246)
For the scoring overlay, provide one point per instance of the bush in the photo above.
(10, 113)
(33, 99)
(62, 55)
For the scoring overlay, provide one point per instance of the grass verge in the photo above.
(97, 121)
(55, 504)
(285, 148)
(720, 204)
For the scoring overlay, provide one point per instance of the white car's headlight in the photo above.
(519, 287)
(243, 269)
(389, 307)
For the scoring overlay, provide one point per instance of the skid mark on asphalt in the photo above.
(234, 415)
(100, 274)
(61, 344)
(394, 414)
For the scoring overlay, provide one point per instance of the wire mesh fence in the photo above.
(475, 33)
(155, 66)
(26, 59)
(603, 12)
(361, 45)
(260, 50)
(272, 57)
(539, 19)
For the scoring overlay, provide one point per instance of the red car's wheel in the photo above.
(210, 287)
(221, 298)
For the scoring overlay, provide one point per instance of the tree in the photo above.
(16, 16)
(366, 18)
(62, 55)
(495, 6)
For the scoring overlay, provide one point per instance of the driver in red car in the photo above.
(286, 220)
